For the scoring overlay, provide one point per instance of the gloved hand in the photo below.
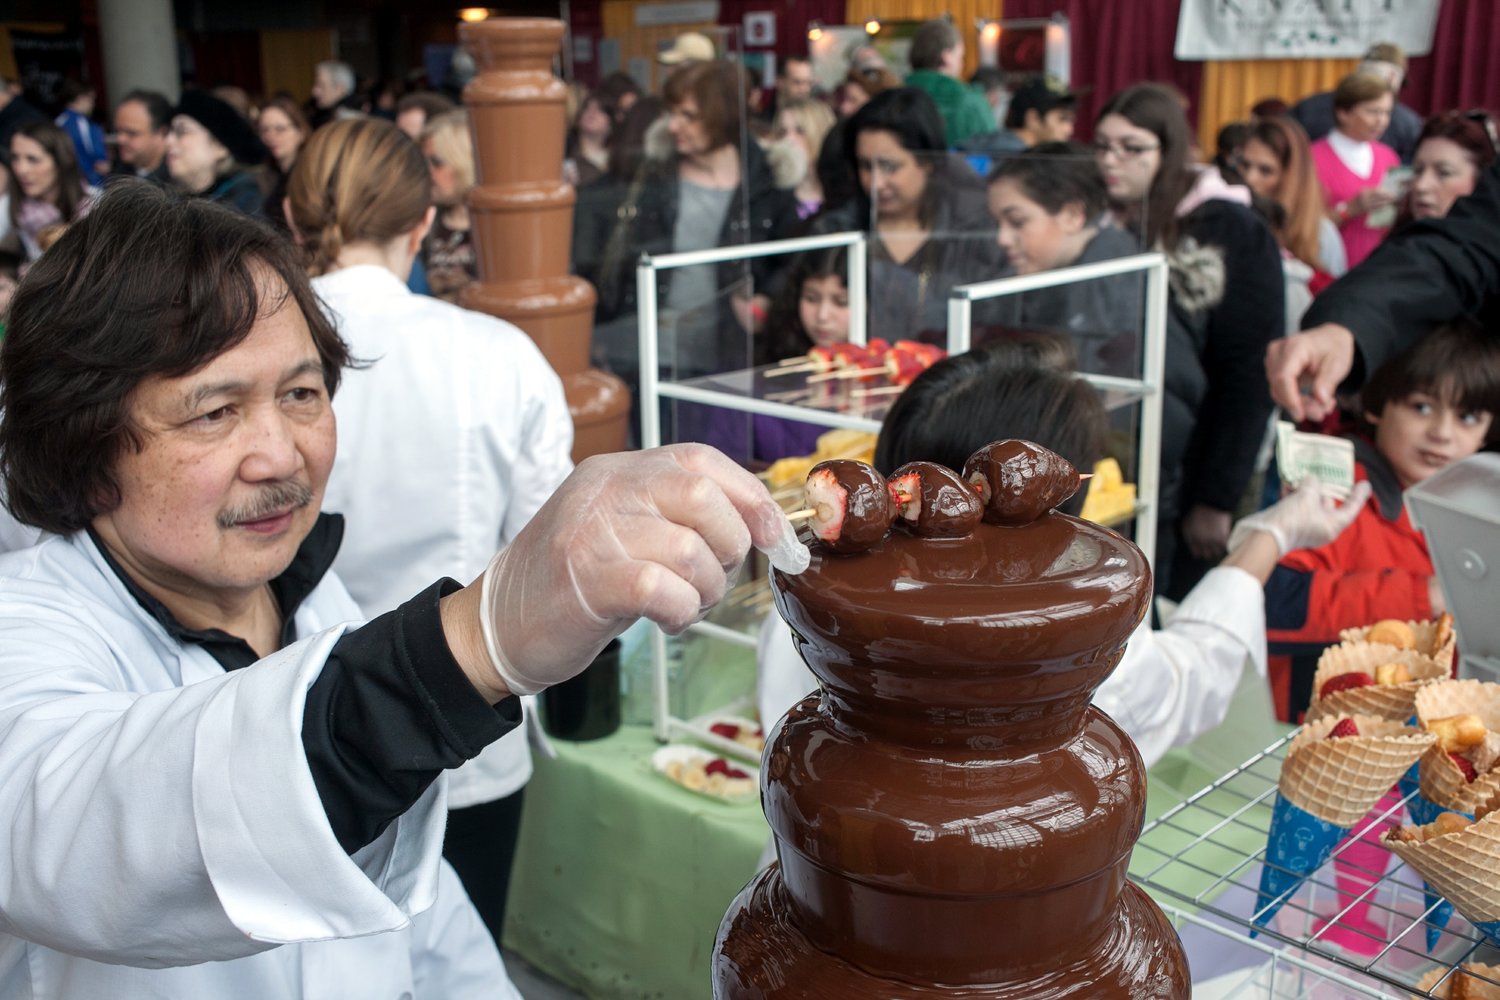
(1306, 519)
(656, 534)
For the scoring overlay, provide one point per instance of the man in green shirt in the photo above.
(937, 61)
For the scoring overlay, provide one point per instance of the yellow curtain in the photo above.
(1230, 89)
(287, 59)
(964, 13)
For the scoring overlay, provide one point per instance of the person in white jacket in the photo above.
(215, 783)
(451, 436)
(1172, 684)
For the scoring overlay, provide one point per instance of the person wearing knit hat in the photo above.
(210, 148)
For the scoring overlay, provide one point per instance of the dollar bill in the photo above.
(1299, 453)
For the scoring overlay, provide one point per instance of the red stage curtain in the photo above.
(1463, 70)
(1116, 44)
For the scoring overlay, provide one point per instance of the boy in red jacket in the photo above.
(1433, 405)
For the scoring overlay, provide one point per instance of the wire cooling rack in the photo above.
(1360, 921)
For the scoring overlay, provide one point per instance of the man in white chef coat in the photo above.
(214, 784)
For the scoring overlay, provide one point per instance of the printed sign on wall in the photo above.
(1301, 29)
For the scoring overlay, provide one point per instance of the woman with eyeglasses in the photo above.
(1451, 152)
(448, 251)
(212, 152)
(283, 128)
(1227, 303)
(1352, 161)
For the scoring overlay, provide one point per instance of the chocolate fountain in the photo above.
(522, 214)
(952, 817)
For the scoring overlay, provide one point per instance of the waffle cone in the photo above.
(1464, 866)
(1442, 782)
(1474, 989)
(1393, 701)
(1434, 638)
(1341, 780)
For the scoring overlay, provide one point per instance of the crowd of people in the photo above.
(241, 406)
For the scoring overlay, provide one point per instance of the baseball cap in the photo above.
(1041, 93)
(690, 46)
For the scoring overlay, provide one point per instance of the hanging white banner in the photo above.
(1301, 29)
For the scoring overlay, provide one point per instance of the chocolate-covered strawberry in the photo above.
(851, 504)
(1020, 481)
(933, 501)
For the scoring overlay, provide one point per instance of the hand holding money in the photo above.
(1309, 518)
(1300, 454)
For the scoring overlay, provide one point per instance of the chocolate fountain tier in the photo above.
(761, 955)
(1000, 637)
(951, 816)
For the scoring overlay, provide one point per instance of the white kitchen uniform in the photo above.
(1171, 686)
(163, 836)
(447, 445)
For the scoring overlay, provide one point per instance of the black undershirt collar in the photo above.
(308, 567)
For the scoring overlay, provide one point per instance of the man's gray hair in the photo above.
(341, 73)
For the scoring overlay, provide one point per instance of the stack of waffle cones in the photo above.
(1442, 783)
(1464, 866)
(1468, 982)
(1434, 638)
(1340, 780)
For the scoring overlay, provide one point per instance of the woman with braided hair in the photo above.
(449, 439)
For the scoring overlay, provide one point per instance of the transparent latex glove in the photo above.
(1306, 519)
(656, 534)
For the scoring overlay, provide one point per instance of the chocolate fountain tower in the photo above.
(523, 217)
(952, 818)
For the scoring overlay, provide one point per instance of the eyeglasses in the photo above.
(1121, 150)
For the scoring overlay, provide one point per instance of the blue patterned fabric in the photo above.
(1296, 846)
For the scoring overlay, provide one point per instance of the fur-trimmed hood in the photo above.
(1198, 275)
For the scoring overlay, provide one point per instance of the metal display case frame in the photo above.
(1144, 392)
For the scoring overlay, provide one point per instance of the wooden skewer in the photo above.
(880, 390)
(847, 373)
(802, 515)
(791, 369)
(784, 396)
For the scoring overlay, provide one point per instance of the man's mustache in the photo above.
(270, 500)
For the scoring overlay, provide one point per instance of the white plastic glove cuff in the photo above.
(514, 681)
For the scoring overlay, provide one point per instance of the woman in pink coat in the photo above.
(1351, 161)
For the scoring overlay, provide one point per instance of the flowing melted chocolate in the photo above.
(951, 817)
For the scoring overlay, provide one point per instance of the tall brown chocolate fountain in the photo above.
(952, 817)
(522, 214)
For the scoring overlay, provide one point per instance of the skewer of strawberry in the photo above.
(1020, 481)
(819, 359)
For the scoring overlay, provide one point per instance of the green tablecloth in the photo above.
(622, 877)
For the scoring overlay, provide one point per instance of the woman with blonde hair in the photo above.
(448, 441)
(448, 252)
(1276, 163)
(802, 125)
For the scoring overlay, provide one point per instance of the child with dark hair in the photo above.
(811, 310)
(1422, 410)
(1171, 685)
(1051, 205)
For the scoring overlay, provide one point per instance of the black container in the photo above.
(587, 707)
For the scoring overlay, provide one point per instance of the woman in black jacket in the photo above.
(1226, 304)
(700, 185)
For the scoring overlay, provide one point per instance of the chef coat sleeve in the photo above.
(1432, 272)
(390, 711)
(154, 823)
(1175, 684)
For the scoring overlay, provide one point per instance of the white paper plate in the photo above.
(684, 756)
